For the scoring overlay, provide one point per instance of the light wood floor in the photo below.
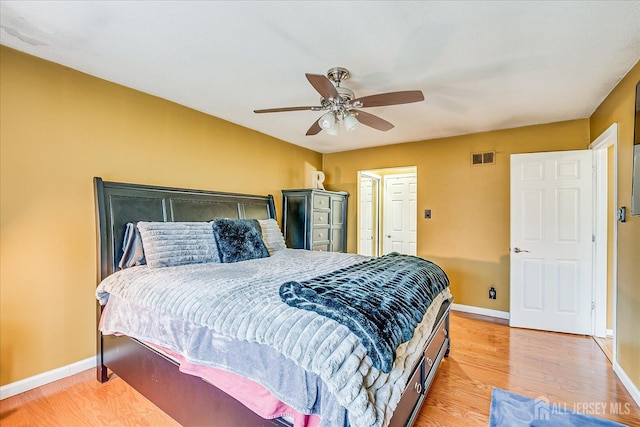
(568, 370)
(606, 344)
(565, 369)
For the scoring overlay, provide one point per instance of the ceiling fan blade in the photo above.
(323, 85)
(278, 110)
(314, 129)
(389, 98)
(372, 121)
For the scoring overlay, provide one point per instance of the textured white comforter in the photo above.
(241, 301)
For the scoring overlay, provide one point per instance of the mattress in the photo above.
(334, 380)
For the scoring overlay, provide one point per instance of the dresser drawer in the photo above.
(321, 201)
(411, 397)
(431, 353)
(434, 352)
(320, 218)
(323, 247)
(319, 234)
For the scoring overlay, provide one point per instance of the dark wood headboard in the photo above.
(119, 203)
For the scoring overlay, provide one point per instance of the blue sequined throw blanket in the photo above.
(380, 300)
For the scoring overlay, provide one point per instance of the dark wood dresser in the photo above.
(315, 219)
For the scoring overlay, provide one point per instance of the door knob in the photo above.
(518, 250)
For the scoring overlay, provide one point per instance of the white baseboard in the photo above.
(608, 333)
(480, 310)
(626, 381)
(46, 377)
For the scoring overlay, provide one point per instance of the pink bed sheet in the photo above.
(250, 393)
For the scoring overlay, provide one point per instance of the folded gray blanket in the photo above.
(381, 300)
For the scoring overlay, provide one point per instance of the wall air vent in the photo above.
(487, 158)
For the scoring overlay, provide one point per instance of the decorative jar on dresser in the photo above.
(315, 219)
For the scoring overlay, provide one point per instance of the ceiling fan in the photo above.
(342, 105)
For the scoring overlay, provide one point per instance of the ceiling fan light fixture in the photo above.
(333, 130)
(350, 122)
(327, 121)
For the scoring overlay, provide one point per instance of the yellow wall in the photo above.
(59, 129)
(468, 234)
(618, 107)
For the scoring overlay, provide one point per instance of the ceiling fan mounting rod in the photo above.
(338, 74)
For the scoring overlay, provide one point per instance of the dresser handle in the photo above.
(429, 362)
(444, 331)
(418, 387)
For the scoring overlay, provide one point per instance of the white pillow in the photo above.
(168, 244)
(271, 235)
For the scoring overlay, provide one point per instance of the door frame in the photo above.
(375, 211)
(379, 173)
(600, 147)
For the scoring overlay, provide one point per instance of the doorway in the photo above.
(387, 214)
(368, 213)
(551, 261)
(605, 149)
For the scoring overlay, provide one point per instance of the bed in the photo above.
(156, 371)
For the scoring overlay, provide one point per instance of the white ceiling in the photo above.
(481, 65)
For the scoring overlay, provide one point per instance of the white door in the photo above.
(400, 211)
(366, 215)
(551, 241)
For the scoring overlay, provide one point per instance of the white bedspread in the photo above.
(241, 301)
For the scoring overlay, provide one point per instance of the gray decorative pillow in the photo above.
(271, 235)
(132, 252)
(168, 244)
(239, 239)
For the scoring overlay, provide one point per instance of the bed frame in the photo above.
(188, 399)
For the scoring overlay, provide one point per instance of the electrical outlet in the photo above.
(492, 293)
(427, 213)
